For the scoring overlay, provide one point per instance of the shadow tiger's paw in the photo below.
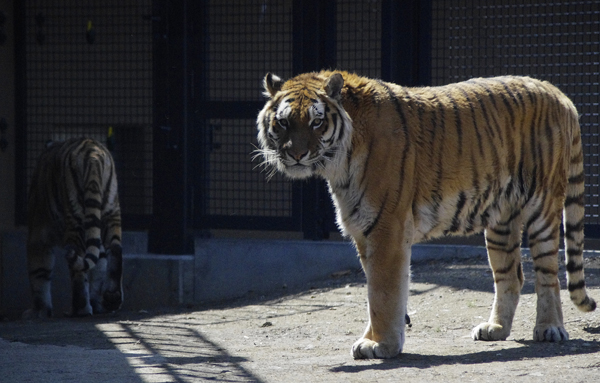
(33, 314)
(112, 300)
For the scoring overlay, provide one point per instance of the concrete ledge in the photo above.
(219, 269)
(230, 268)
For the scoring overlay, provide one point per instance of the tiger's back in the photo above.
(73, 203)
(410, 164)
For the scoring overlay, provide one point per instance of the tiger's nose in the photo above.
(297, 155)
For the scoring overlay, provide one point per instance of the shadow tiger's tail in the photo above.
(573, 220)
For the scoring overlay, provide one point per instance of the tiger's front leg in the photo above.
(387, 266)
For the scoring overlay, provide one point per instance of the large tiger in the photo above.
(406, 165)
(73, 203)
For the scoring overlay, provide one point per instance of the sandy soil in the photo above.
(306, 335)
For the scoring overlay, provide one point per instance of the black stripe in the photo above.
(91, 257)
(576, 286)
(544, 254)
(574, 227)
(534, 217)
(92, 221)
(577, 200)
(547, 238)
(92, 203)
(544, 270)
(580, 178)
(370, 228)
(572, 267)
(503, 232)
(459, 132)
(462, 199)
(514, 215)
(397, 106)
(475, 125)
(93, 242)
(533, 236)
(506, 269)
(575, 251)
(513, 248)
(502, 245)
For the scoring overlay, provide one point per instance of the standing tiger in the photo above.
(406, 165)
(73, 203)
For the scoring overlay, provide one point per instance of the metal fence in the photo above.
(554, 41)
(87, 69)
(91, 66)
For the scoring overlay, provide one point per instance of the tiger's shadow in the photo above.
(529, 350)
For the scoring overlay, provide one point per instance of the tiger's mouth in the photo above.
(298, 169)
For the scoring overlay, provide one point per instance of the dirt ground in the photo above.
(306, 335)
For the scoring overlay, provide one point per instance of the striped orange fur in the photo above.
(501, 155)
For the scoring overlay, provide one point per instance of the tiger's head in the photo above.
(303, 130)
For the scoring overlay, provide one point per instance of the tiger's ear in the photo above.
(272, 85)
(333, 86)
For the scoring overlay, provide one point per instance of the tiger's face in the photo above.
(303, 128)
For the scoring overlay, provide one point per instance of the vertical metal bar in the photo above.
(406, 42)
(20, 29)
(169, 232)
(200, 135)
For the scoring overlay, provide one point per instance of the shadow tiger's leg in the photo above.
(80, 286)
(503, 243)
(97, 277)
(40, 264)
(544, 237)
(113, 293)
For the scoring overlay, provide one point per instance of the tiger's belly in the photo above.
(460, 215)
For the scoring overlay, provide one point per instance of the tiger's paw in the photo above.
(368, 349)
(550, 333)
(490, 331)
(112, 300)
(33, 314)
(82, 312)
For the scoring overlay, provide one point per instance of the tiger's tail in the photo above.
(573, 221)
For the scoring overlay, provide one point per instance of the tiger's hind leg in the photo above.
(80, 285)
(544, 236)
(503, 243)
(113, 291)
(97, 277)
(40, 264)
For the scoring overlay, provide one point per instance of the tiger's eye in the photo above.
(283, 123)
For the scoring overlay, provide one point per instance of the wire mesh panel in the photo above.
(359, 37)
(238, 187)
(247, 39)
(554, 41)
(89, 70)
